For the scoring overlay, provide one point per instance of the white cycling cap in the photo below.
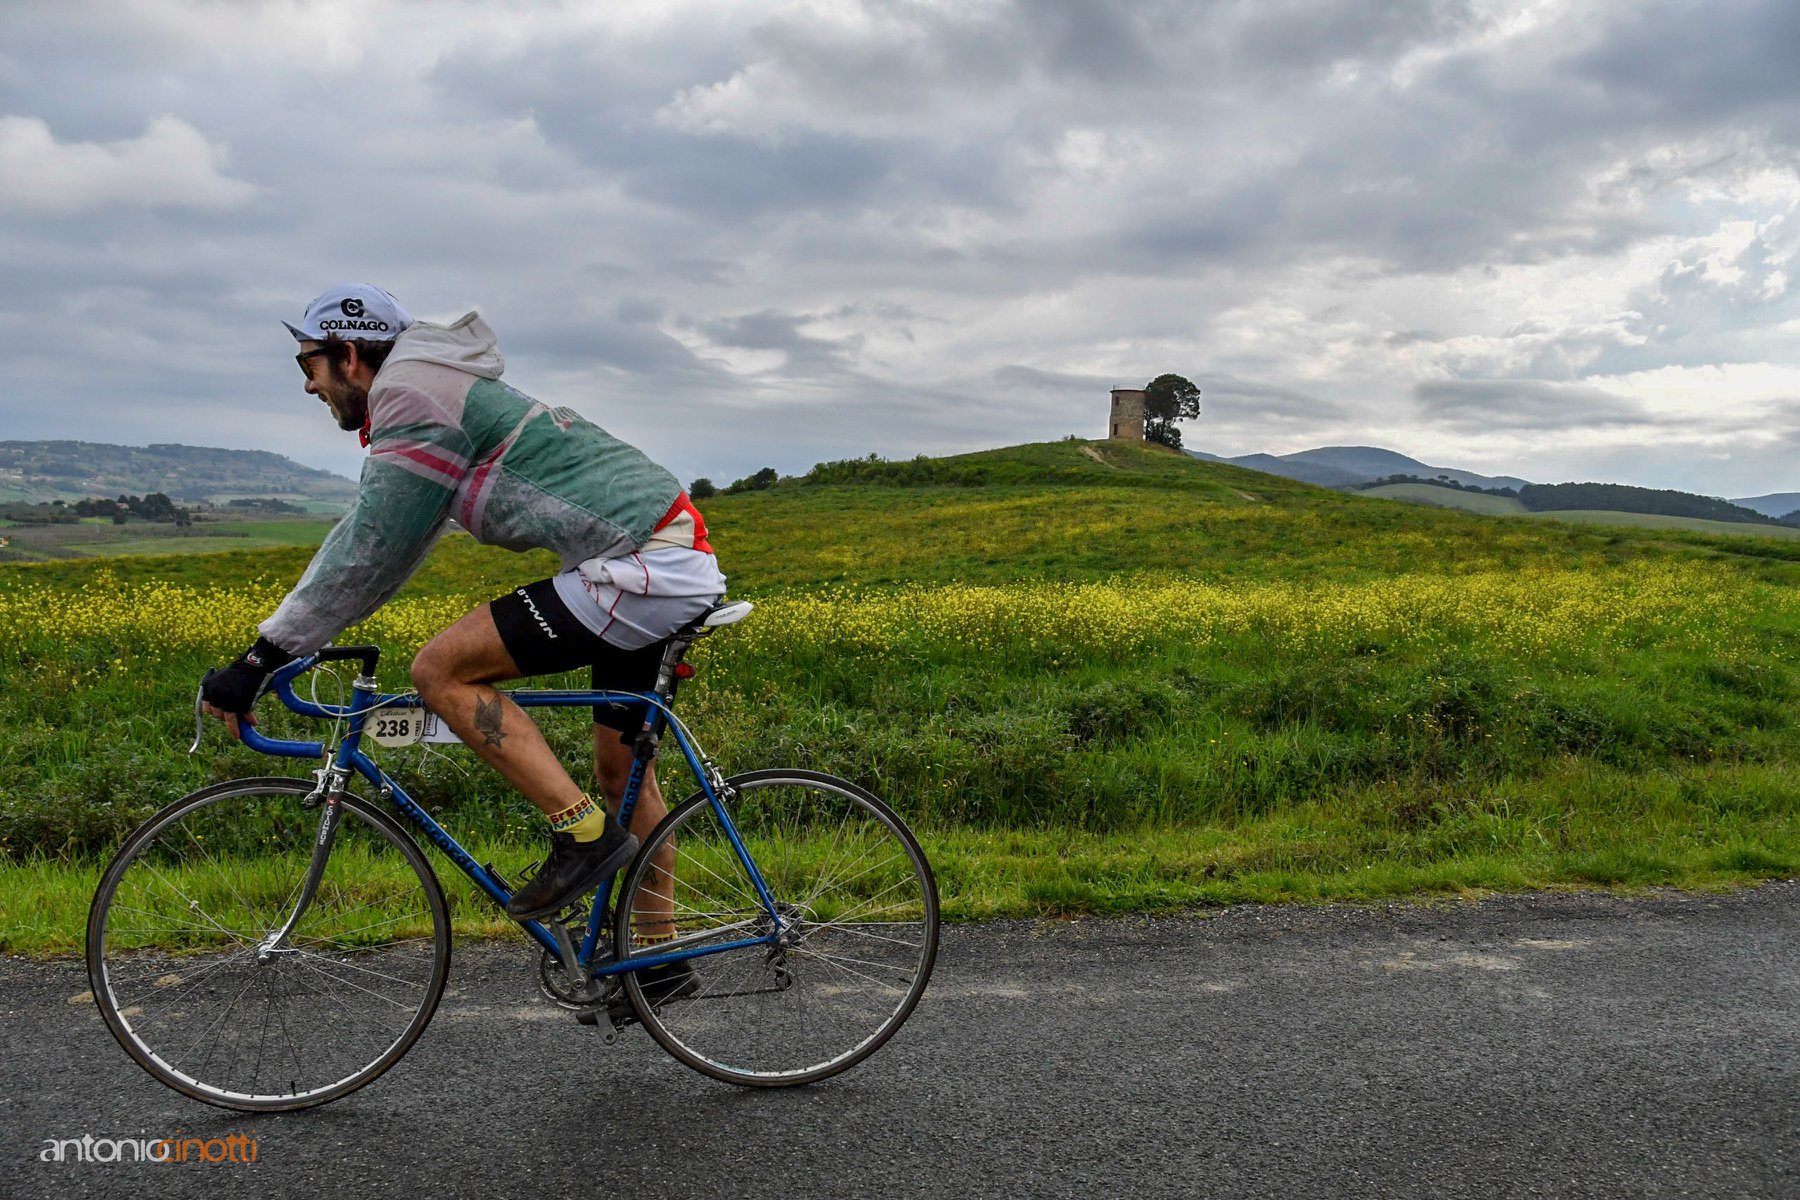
(352, 310)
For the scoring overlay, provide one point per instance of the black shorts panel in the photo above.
(545, 638)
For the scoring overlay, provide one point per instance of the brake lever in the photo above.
(199, 720)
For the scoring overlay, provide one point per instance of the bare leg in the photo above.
(653, 917)
(452, 673)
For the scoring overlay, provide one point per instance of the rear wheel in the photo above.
(183, 970)
(827, 977)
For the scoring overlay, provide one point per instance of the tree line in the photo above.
(1619, 497)
(1605, 497)
(154, 507)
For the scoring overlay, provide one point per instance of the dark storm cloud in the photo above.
(782, 332)
(1223, 395)
(1693, 66)
(1493, 404)
(627, 347)
(616, 131)
(921, 223)
(1060, 381)
(1295, 34)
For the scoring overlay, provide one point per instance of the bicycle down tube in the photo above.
(349, 758)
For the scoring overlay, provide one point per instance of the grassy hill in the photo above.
(1050, 511)
(35, 472)
(1507, 506)
(100, 538)
(1657, 521)
(1053, 510)
(1098, 677)
(1441, 497)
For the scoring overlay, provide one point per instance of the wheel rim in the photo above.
(186, 976)
(852, 949)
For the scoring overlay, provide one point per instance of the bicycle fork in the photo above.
(330, 793)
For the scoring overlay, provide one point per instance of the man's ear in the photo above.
(355, 365)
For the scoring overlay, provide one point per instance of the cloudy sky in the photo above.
(1553, 239)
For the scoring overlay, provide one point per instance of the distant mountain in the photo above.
(1777, 504)
(41, 471)
(1348, 466)
(1322, 474)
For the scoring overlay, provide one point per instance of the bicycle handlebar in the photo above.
(281, 683)
(369, 655)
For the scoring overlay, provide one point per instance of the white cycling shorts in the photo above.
(641, 598)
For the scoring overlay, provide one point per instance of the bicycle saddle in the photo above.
(724, 613)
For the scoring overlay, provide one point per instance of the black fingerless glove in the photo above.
(235, 688)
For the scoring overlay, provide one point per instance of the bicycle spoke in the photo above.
(841, 962)
(328, 1011)
(318, 968)
(193, 905)
(206, 1034)
(218, 872)
(187, 980)
(775, 1012)
(860, 930)
(411, 916)
(365, 970)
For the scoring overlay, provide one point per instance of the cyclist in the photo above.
(449, 441)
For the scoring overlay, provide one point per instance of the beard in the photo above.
(348, 403)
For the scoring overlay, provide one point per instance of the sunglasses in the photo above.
(305, 367)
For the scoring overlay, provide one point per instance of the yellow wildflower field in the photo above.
(1516, 614)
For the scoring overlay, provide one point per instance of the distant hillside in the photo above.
(1778, 504)
(1322, 474)
(41, 471)
(1348, 466)
(1508, 506)
(1071, 462)
(1618, 497)
(1442, 497)
(1741, 529)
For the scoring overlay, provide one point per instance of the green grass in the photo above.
(100, 538)
(1655, 521)
(1508, 506)
(1310, 752)
(1425, 493)
(1359, 847)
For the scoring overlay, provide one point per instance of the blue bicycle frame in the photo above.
(348, 758)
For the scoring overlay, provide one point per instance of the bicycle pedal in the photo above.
(609, 1029)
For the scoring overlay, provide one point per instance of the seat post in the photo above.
(644, 749)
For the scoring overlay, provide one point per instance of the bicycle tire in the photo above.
(173, 933)
(835, 858)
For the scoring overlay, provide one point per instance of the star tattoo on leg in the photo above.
(487, 718)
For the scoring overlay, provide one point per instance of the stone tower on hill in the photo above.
(1127, 415)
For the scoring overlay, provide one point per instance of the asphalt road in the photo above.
(1566, 1046)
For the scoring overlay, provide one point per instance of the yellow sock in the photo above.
(643, 940)
(585, 821)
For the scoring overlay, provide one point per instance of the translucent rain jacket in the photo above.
(448, 440)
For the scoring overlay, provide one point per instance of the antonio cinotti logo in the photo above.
(232, 1148)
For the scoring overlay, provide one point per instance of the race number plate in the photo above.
(436, 730)
(408, 726)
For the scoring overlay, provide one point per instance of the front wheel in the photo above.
(815, 985)
(190, 978)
